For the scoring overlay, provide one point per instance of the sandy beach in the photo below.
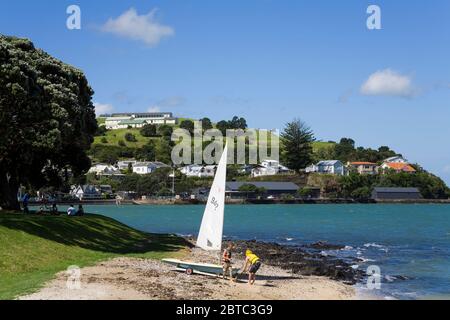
(145, 279)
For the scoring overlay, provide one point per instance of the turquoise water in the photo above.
(403, 240)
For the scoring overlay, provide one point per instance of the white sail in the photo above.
(211, 229)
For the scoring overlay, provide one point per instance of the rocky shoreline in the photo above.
(304, 260)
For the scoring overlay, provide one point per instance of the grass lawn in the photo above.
(34, 248)
(114, 136)
(321, 145)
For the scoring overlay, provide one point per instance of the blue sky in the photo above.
(269, 61)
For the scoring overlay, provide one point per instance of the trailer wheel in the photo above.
(189, 271)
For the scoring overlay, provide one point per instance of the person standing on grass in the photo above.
(80, 211)
(25, 200)
(226, 261)
(252, 265)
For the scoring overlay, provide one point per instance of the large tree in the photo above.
(297, 139)
(47, 119)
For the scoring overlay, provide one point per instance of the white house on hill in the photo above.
(138, 120)
(395, 159)
(124, 165)
(148, 167)
(328, 167)
(102, 169)
(195, 170)
(269, 168)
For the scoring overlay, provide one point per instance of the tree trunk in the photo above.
(8, 192)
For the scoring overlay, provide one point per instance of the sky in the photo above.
(268, 61)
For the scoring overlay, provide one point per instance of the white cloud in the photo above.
(388, 83)
(169, 102)
(154, 109)
(173, 101)
(138, 27)
(101, 108)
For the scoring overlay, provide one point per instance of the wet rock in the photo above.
(323, 245)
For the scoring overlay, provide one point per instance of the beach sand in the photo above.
(145, 279)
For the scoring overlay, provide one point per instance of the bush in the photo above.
(149, 130)
(130, 137)
(121, 143)
(305, 192)
(165, 130)
(101, 131)
(363, 193)
(104, 140)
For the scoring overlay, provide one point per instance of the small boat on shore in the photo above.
(211, 229)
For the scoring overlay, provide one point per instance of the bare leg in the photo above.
(253, 278)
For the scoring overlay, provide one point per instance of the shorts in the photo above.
(226, 265)
(255, 267)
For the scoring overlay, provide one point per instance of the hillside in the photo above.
(35, 248)
(114, 136)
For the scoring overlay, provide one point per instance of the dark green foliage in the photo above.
(130, 137)
(222, 126)
(235, 123)
(165, 131)
(346, 151)
(206, 124)
(149, 130)
(110, 154)
(305, 192)
(146, 152)
(297, 139)
(430, 186)
(47, 119)
(104, 140)
(149, 184)
(121, 143)
(163, 151)
(363, 193)
(101, 131)
(251, 188)
(187, 125)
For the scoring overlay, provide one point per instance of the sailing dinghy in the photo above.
(211, 229)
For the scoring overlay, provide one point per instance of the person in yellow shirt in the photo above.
(252, 265)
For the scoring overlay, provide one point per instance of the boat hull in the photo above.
(200, 268)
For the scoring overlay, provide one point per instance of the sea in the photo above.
(408, 245)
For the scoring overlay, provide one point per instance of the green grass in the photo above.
(114, 136)
(101, 120)
(321, 145)
(34, 248)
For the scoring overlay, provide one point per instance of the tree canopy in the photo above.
(297, 139)
(47, 119)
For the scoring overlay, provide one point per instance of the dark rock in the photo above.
(323, 245)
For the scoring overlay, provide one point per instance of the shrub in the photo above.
(149, 130)
(130, 137)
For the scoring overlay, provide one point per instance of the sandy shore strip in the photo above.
(145, 279)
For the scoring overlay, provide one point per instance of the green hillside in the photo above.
(35, 248)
